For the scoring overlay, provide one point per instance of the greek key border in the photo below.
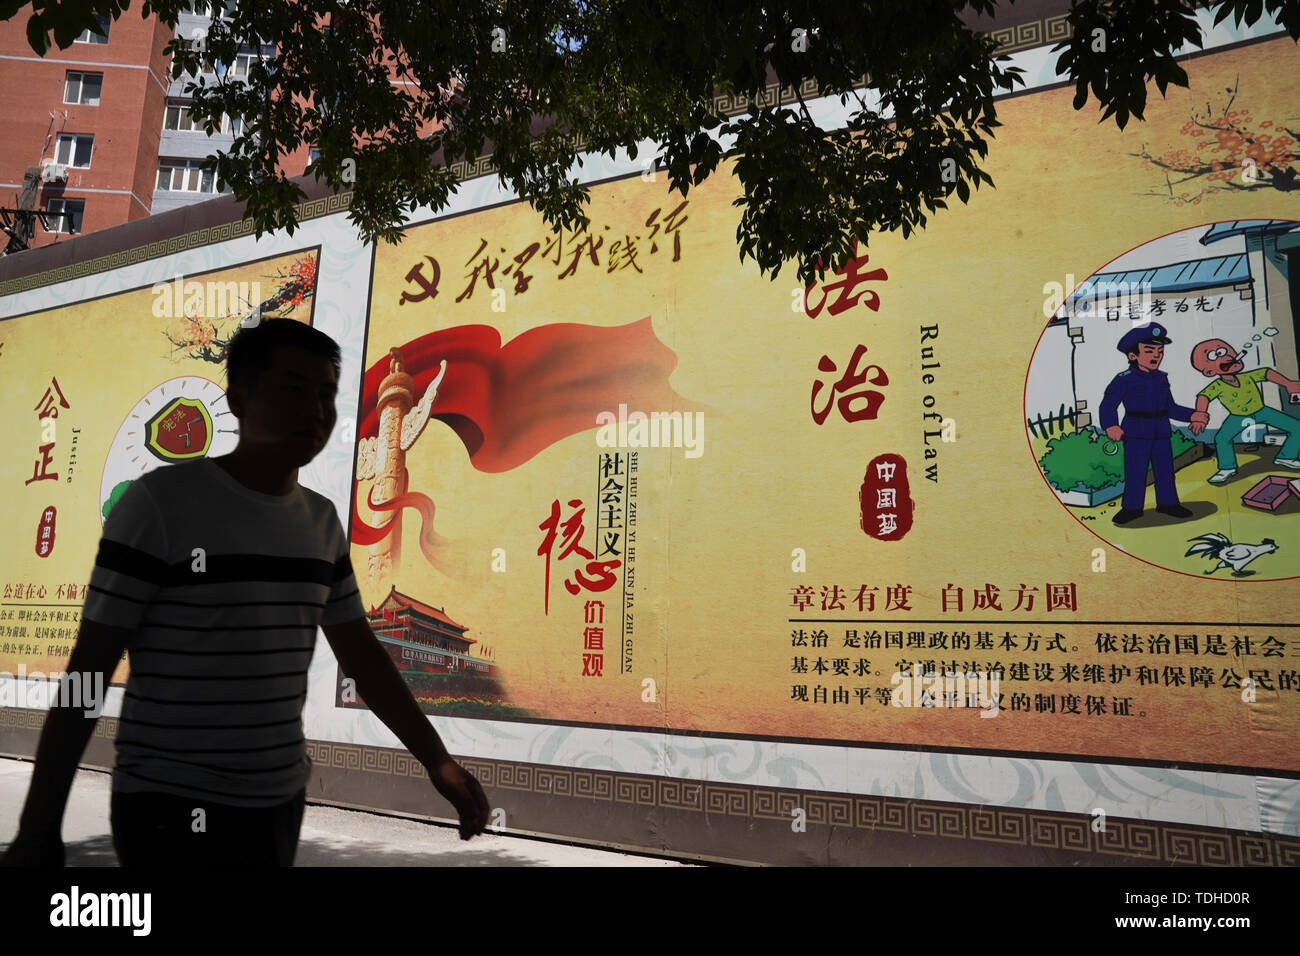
(219, 232)
(1126, 840)
(1031, 33)
(1135, 840)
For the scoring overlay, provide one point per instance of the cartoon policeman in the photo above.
(1149, 404)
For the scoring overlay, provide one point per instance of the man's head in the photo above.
(1146, 355)
(1216, 357)
(1145, 346)
(281, 382)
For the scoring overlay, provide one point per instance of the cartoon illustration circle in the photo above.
(1162, 403)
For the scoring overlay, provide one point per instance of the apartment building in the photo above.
(106, 128)
(89, 118)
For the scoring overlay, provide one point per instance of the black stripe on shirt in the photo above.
(218, 768)
(182, 650)
(136, 673)
(342, 567)
(117, 596)
(172, 702)
(209, 605)
(296, 742)
(344, 597)
(121, 558)
(187, 786)
(229, 627)
(172, 726)
(234, 568)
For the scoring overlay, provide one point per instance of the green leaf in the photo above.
(36, 35)
(1080, 93)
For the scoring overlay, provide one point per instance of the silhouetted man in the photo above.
(214, 574)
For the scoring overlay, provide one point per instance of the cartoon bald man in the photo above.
(1240, 394)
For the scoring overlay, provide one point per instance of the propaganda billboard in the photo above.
(100, 392)
(981, 547)
(667, 491)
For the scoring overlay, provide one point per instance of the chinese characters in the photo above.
(597, 576)
(47, 412)
(898, 597)
(491, 266)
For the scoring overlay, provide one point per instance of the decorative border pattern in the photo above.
(1032, 33)
(1131, 840)
(1123, 840)
(219, 232)
(25, 718)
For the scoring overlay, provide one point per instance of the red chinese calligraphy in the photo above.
(884, 500)
(46, 408)
(597, 576)
(585, 246)
(671, 225)
(522, 278)
(485, 267)
(853, 377)
(845, 297)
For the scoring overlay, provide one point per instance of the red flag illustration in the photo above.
(509, 402)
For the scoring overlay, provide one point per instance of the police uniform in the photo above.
(1148, 406)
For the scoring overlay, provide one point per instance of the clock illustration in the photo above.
(182, 419)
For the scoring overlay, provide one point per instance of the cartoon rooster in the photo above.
(1229, 555)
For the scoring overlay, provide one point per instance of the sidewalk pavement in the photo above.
(330, 836)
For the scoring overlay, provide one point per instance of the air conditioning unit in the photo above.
(54, 172)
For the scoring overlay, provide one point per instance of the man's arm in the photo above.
(63, 740)
(1183, 413)
(1273, 375)
(1202, 418)
(364, 659)
(1109, 409)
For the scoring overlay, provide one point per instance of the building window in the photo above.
(74, 150)
(184, 175)
(90, 36)
(243, 61)
(83, 88)
(178, 118)
(209, 9)
(64, 215)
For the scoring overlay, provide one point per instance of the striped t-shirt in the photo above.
(223, 588)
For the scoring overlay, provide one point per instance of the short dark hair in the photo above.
(252, 349)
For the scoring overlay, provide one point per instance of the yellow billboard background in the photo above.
(718, 535)
(115, 361)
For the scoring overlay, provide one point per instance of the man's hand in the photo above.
(1199, 422)
(1114, 433)
(39, 842)
(28, 849)
(363, 658)
(465, 794)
